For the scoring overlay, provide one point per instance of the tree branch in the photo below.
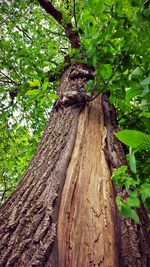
(5, 187)
(105, 85)
(74, 11)
(57, 15)
(3, 21)
(53, 32)
(6, 76)
(49, 8)
(24, 33)
(3, 81)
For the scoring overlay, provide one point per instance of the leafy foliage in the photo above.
(137, 191)
(137, 141)
(114, 39)
(134, 139)
(126, 208)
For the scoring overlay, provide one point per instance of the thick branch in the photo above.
(49, 8)
(57, 15)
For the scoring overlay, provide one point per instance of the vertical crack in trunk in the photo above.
(86, 226)
(91, 232)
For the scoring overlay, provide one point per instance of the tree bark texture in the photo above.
(63, 211)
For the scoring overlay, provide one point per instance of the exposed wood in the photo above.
(91, 231)
(87, 225)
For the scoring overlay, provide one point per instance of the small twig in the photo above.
(3, 97)
(105, 85)
(3, 81)
(8, 77)
(74, 12)
(24, 32)
(5, 187)
(128, 114)
(4, 21)
(5, 108)
(63, 52)
(55, 33)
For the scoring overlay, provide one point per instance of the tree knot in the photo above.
(72, 98)
(82, 73)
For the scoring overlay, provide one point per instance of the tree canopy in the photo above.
(113, 38)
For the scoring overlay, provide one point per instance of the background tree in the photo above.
(106, 48)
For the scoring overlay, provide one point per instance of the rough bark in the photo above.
(28, 218)
(134, 239)
(72, 166)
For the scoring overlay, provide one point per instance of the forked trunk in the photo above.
(63, 211)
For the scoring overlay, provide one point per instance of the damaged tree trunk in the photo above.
(87, 222)
(63, 212)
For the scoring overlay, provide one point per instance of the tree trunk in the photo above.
(63, 211)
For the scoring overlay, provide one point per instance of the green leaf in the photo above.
(145, 91)
(145, 114)
(44, 86)
(145, 81)
(136, 72)
(119, 202)
(145, 104)
(132, 160)
(32, 92)
(132, 92)
(95, 5)
(128, 212)
(52, 96)
(89, 85)
(145, 191)
(121, 177)
(35, 83)
(133, 200)
(106, 71)
(119, 34)
(134, 139)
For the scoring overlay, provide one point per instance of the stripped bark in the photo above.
(87, 234)
(91, 232)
